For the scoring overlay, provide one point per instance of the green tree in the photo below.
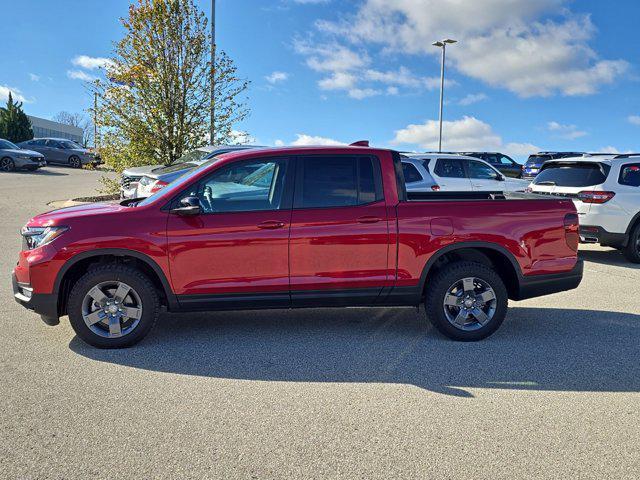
(15, 126)
(153, 105)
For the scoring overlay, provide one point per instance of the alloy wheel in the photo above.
(112, 309)
(469, 304)
(6, 165)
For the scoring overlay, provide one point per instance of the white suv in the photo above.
(606, 192)
(451, 172)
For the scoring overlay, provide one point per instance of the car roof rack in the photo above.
(627, 155)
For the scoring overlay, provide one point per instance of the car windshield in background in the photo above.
(70, 145)
(538, 158)
(7, 145)
(192, 156)
(573, 175)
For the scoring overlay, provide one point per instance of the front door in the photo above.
(484, 178)
(339, 231)
(236, 250)
(450, 174)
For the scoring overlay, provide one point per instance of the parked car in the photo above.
(13, 157)
(316, 227)
(62, 151)
(534, 163)
(453, 172)
(503, 163)
(606, 192)
(140, 182)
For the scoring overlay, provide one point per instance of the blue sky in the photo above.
(548, 74)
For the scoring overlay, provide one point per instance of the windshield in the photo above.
(177, 184)
(7, 145)
(538, 158)
(69, 145)
(192, 156)
(573, 174)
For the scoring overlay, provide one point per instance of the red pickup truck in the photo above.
(295, 227)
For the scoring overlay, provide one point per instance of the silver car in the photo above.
(62, 151)
(13, 157)
(141, 182)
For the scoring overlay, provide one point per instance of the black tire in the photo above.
(7, 164)
(138, 282)
(632, 250)
(75, 162)
(438, 288)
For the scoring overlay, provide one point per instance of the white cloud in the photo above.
(276, 77)
(568, 132)
(468, 133)
(80, 75)
(634, 119)
(305, 140)
(34, 77)
(278, 143)
(239, 137)
(91, 63)
(361, 93)
(338, 81)
(532, 48)
(16, 94)
(472, 98)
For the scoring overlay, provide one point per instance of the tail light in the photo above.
(435, 188)
(595, 197)
(571, 230)
(158, 186)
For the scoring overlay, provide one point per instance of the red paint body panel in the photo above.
(315, 249)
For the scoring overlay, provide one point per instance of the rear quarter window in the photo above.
(573, 175)
(411, 173)
(630, 175)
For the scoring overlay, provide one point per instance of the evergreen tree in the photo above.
(15, 126)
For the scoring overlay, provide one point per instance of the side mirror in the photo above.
(188, 206)
(501, 178)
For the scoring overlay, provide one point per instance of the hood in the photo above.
(140, 171)
(64, 216)
(23, 151)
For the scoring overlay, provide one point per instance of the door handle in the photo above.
(369, 219)
(271, 225)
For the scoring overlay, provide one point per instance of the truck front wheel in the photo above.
(113, 306)
(466, 301)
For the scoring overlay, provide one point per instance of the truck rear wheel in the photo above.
(113, 306)
(466, 301)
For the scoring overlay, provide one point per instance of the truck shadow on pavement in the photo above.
(535, 349)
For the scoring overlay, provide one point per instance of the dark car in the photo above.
(13, 157)
(534, 162)
(504, 163)
(62, 151)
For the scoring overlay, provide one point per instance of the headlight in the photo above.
(35, 237)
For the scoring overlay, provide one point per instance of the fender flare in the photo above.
(118, 252)
(469, 245)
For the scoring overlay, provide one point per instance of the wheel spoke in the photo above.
(95, 317)
(461, 317)
(132, 312)
(485, 297)
(479, 315)
(98, 295)
(452, 300)
(467, 285)
(114, 326)
(121, 292)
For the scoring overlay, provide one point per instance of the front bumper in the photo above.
(44, 304)
(532, 286)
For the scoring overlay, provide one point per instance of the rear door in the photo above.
(451, 175)
(339, 231)
(55, 153)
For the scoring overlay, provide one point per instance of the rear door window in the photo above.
(337, 181)
(630, 175)
(411, 173)
(573, 174)
(450, 168)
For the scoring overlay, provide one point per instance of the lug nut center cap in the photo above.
(112, 309)
(468, 303)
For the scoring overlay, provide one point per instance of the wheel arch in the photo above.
(490, 254)
(79, 264)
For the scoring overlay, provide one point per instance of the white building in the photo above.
(48, 128)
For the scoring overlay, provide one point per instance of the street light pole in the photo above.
(443, 45)
(212, 129)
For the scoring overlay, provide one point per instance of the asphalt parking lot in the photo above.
(352, 393)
